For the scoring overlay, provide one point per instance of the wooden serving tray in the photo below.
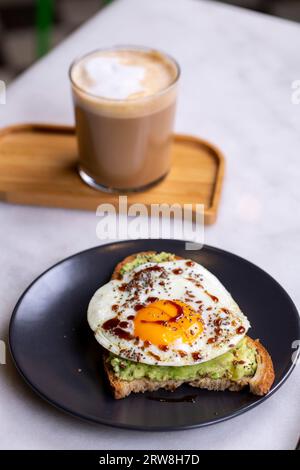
(38, 167)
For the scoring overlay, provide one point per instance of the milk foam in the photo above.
(108, 78)
(124, 74)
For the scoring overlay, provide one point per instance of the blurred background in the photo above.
(30, 28)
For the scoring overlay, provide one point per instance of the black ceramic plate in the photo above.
(56, 352)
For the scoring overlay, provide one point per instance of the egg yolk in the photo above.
(165, 321)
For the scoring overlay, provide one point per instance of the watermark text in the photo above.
(163, 220)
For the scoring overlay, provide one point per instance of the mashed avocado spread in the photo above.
(146, 258)
(237, 363)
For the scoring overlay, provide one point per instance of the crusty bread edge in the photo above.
(259, 384)
(263, 379)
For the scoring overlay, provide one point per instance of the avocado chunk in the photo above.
(237, 363)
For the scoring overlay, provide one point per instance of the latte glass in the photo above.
(124, 143)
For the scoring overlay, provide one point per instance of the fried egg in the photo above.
(173, 313)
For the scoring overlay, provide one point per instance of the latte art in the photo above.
(124, 74)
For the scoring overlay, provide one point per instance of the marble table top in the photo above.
(237, 72)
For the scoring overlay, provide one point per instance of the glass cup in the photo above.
(124, 143)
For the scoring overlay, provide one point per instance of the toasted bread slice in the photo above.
(259, 384)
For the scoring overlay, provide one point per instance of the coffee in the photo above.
(124, 102)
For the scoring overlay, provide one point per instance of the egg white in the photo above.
(204, 287)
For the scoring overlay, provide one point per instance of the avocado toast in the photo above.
(246, 364)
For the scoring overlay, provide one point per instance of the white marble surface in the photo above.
(236, 91)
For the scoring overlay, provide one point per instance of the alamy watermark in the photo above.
(2, 92)
(296, 353)
(163, 220)
(295, 97)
